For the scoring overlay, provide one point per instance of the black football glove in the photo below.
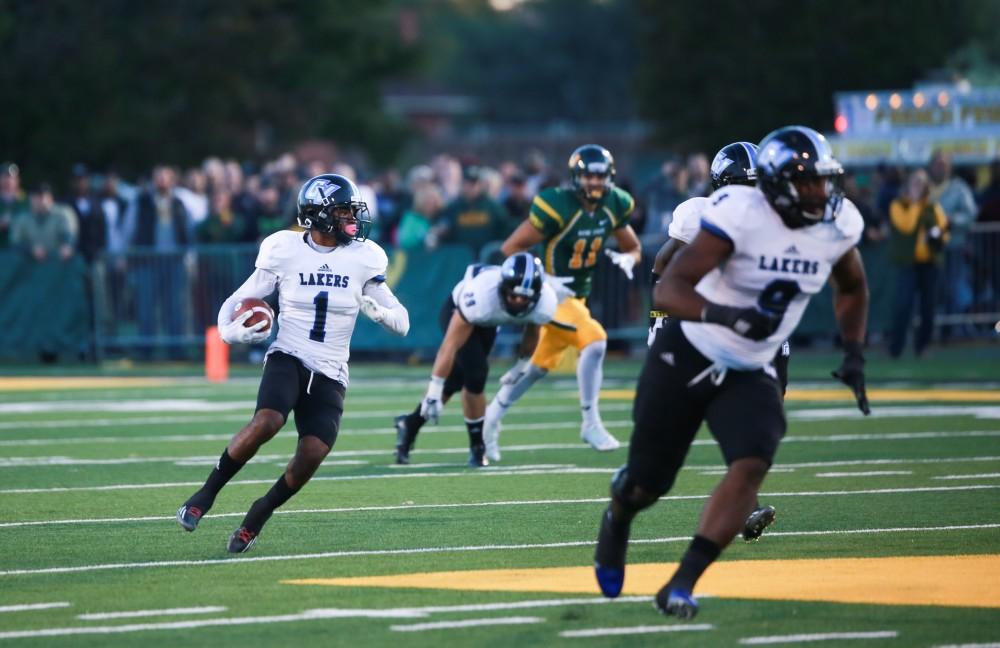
(752, 323)
(852, 374)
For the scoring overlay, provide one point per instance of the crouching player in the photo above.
(516, 292)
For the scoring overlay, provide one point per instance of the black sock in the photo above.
(261, 510)
(224, 470)
(475, 429)
(414, 421)
(701, 553)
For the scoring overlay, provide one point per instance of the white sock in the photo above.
(509, 394)
(589, 376)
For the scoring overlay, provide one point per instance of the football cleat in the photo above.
(491, 432)
(189, 516)
(676, 602)
(477, 456)
(609, 558)
(598, 437)
(760, 519)
(404, 440)
(242, 540)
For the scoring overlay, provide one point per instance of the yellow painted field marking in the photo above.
(970, 581)
(898, 395)
(38, 383)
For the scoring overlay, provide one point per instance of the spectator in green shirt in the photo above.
(473, 218)
(415, 225)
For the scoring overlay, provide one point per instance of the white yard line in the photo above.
(634, 630)
(834, 438)
(894, 411)
(527, 469)
(829, 636)
(866, 473)
(972, 645)
(387, 431)
(25, 607)
(827, 414)
(544, 502)
(224, 406)
(135, 614)
(469, 623)
(308, 615)
(979, 476)
(321, 613)
(461, 549)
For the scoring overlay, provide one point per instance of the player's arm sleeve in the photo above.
(544, 217)
(685, 224)
(723, 217)
(260, 284)
(397, 318)
(625, 209)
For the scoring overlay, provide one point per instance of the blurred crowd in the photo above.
(920, 216)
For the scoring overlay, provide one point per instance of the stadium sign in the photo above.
(904, 126)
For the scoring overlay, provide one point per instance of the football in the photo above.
(260, 309)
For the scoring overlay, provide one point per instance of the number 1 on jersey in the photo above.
(318, 332)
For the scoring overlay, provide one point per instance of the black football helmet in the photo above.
(521, 274)
(735, 163)
(793, 153)
(331, 203)
(591, 158)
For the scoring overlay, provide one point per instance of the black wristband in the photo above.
(655, 277)
(719, 314)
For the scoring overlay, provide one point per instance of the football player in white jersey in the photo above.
(734, 164)
(734, 295)
(487, 296)
(324, 277)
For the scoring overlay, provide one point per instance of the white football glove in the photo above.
(235, 333)
(624, 261)
(431, 406)
(372, 309)
(516, 372)
(560, 285)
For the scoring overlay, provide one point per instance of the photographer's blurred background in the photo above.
(147, 148)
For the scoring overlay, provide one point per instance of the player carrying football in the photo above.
(734, 295)
(324, 277)
(573, 223)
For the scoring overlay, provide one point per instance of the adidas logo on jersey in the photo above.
(792, 250)
(326, 268)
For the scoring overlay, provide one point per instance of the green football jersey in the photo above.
(573, 236)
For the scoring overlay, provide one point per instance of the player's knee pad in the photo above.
(631, 496)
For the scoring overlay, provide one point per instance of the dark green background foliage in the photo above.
(130, 83)
(730, 70)
(133, 83)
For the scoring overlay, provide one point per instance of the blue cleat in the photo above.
(676, 602)
(609, 558)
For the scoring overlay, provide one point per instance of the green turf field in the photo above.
(91, 476)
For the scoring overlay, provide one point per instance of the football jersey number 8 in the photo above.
(777, 295)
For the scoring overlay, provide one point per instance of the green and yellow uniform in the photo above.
(573, 238)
